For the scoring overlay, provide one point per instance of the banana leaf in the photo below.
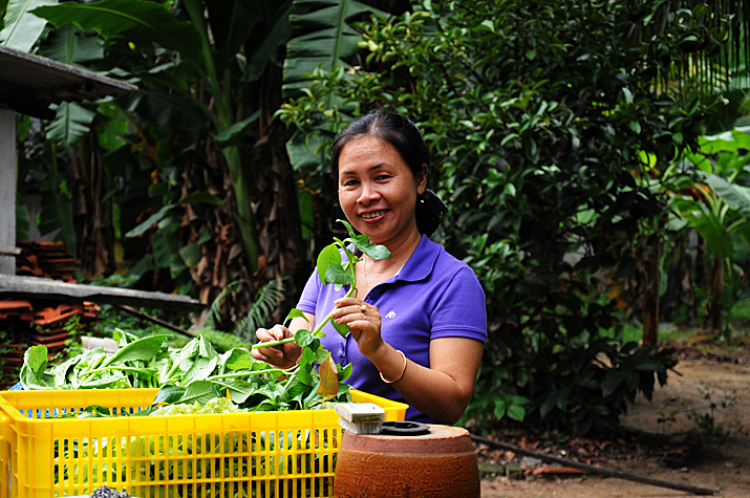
(323, 37)
(135, 20)
(21, 28)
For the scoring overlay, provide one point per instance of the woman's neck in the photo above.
(400, 253)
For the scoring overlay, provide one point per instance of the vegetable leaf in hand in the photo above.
(329, 256)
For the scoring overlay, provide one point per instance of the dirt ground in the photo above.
(673, 440)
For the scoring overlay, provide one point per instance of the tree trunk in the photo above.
(95, 236)
(712, 318)
(651, 294)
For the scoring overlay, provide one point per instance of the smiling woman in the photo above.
(418, 324)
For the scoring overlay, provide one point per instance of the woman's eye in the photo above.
(382, 177)
(349, 183)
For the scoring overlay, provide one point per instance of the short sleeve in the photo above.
(461, 310)
(308, 301)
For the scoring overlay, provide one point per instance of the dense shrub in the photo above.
(537, 115)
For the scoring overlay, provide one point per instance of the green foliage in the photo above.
(538, 119)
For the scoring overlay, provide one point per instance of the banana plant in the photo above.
(719, 209)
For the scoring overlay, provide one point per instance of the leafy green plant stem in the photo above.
(315, 333)
(254, 372)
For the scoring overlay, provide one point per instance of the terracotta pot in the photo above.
(440, 464)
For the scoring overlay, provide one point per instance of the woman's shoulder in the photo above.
(438, 265)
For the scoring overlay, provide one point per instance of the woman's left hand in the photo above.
(363, 320)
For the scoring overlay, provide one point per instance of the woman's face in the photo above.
(378, 191)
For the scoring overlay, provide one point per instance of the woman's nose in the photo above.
(368, 193)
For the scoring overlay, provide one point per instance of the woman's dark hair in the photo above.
(403, 135)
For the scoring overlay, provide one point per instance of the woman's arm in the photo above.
(442, 391)
(285, 356)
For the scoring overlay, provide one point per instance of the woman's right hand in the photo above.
(282, 356)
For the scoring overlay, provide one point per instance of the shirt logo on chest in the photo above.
(391, 314)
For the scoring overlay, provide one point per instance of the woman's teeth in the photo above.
(375, 214)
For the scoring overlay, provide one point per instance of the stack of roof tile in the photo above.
(31, 322)
(46, 259)
(28, 323)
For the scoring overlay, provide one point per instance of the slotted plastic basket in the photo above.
(259, 454)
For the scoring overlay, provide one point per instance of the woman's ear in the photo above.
(422, 180)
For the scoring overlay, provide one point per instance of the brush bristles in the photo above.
(363, 428)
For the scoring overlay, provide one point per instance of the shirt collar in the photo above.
(421, 262)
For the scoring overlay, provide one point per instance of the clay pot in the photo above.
(440, 464)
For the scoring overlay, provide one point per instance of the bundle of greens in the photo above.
(193, 374)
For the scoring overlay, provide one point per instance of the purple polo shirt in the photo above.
(434, 295)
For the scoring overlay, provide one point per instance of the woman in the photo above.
(418, 324)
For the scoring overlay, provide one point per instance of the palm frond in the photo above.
(267, 299)
(214, 314)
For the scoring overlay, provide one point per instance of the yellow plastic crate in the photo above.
(259, 454)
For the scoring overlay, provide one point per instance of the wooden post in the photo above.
(7, 191)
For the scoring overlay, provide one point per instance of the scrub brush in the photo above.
(360, 418)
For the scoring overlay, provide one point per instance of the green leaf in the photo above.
(194, 198)
(239, 390)
(169, 394)
(516, 412)
(72, 122)
(143, 349)
(154, 218)
(374, 251)
(36, 359)
(274, 32)
(21, 27)
(135, 20)
(335, 274)
(200, 198)
(303, 337)
(341, 328)
(3, 12)
(235, 133)
(349, 228)
(330, 255)
(238, 359)
(69, 45)
(295, 313)
(200, 370)
(736, 196)
(345, 373)
(200, 392)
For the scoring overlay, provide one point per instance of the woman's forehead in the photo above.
(369, 151)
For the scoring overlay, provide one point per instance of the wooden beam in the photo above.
(43, 288)
(7, 191)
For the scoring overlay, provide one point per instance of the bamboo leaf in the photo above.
(21, 27)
